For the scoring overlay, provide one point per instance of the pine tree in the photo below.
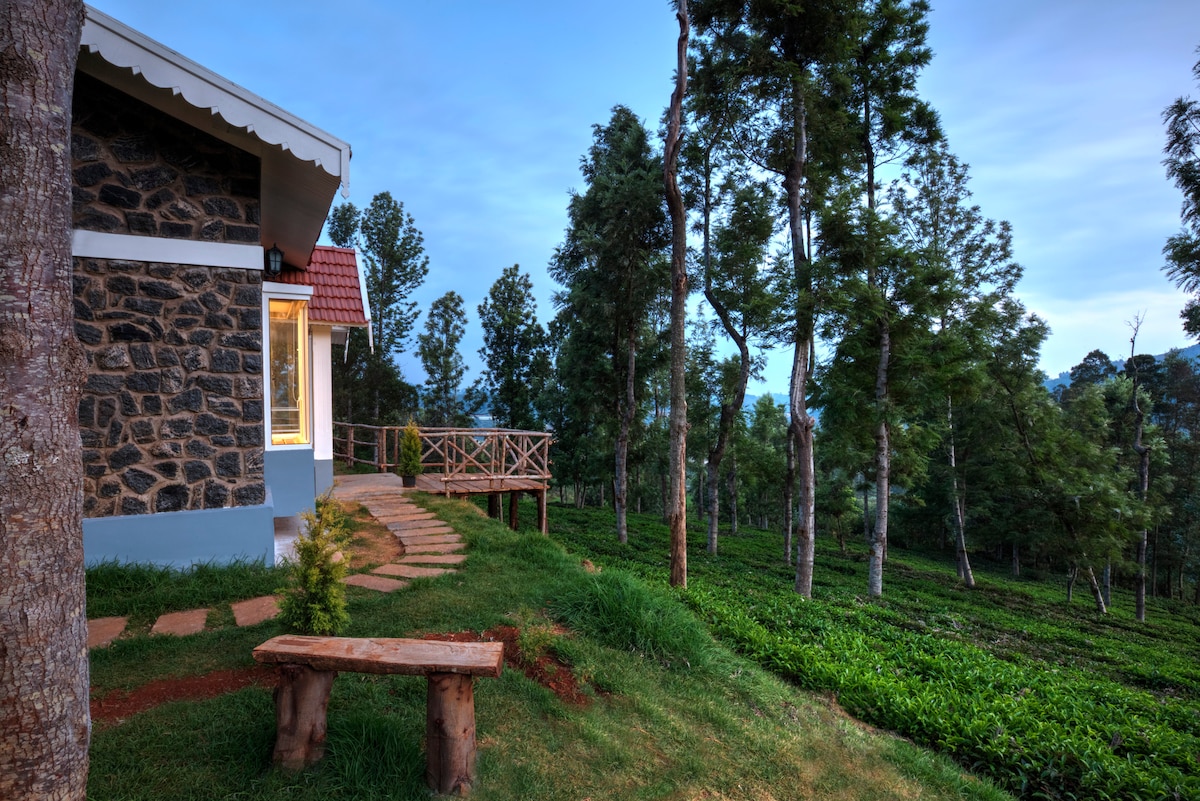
(442, 402)
(516, 361)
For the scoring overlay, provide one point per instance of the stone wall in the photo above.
(172, 412)
(140, 171)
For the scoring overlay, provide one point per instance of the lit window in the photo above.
(289, 372)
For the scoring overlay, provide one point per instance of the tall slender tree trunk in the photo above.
(801, 425)
(731, 479)
(883, 467)
(1016, 560)
(621, 480)
(713, 485)
(44, 720)
(789, 490)
(960, 524)
(1097, 593)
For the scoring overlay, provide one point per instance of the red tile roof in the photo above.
(333, 275)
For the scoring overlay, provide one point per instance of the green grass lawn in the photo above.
(670, 712)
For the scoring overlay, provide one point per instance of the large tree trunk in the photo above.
(44, 720)
(677, 502)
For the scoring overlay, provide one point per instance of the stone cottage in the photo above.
(205, 416)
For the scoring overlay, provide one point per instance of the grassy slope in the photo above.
(1052, 701)
(673, 714)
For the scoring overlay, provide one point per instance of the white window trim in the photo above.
(99, 245)
(273, 290)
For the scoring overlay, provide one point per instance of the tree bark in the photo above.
(44, 720)
(801, 425)
(677, 502)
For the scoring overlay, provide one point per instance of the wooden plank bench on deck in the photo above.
(308, 665)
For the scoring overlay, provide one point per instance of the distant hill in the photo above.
(1064, 379)
(1061, 380)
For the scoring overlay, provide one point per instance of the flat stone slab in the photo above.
(103, 630)
(375, 582)
(255, 610)
(434, 547)
(411, 571)
(416, 525)
(434, 558)
(432, 540)
(181, 624)
(409, 517)
(408, 534)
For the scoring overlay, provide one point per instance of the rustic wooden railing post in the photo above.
(380, 449)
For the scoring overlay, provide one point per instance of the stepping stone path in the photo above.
(429, 544)
(430, 549)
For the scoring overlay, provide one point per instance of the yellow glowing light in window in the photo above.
(289, 371)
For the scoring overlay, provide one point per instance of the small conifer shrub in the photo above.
(314, 601)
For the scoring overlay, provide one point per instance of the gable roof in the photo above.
(302, 166)
(338, 294)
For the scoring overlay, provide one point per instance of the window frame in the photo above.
(288, 292)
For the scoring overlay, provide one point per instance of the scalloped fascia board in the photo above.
(121, 46)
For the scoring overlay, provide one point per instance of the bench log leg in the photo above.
(301, 701)
(450, 733)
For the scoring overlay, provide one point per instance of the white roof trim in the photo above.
(366, 304)
(122, 46)
(127, 247)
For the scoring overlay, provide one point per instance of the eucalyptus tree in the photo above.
(886, 56)
(736, 286)
(1182, 161)
(964, 273)
(43, 623)
(443, 402)
(676, 503)
(514, 353)
(782, 59)
(368, 386)
(613, 267)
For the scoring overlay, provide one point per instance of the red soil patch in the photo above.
(548, 671)
(116, 706)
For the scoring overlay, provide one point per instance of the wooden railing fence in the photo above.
(450, 453)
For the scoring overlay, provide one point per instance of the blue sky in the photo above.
(476, 114)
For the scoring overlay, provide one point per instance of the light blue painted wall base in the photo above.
(183, 539)
(291, 480)
(323, 469)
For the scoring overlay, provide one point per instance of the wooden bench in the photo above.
(308, 666)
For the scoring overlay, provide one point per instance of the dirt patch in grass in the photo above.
(115, 707)
(371, 544)
(547, 669)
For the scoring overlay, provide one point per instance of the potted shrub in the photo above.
(410, 454)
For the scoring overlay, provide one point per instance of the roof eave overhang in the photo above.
(302, 166)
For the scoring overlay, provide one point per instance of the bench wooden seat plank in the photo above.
(308, 665)
(387, 655)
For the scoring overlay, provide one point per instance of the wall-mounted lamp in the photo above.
(274, 265)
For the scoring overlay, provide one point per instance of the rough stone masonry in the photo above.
(172, 412)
